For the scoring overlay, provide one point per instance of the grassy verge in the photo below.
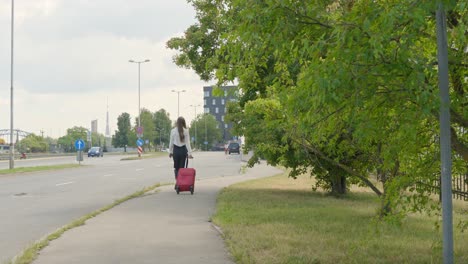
(280, 220)
(147, 156)
(30, 253)
(38, 168)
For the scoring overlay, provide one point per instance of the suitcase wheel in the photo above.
(191, 189)
(177, 189)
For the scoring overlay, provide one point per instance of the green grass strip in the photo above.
(147, 156)
(281, 220)
(38, 168)
(30, 253)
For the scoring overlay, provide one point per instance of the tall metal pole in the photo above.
(12, 144)
(445, 149)
(178, 97)
(178, 103)
(195, 141)
(206, 133)
(139, 109)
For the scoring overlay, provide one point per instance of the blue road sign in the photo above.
(140, 142)
(79, 144)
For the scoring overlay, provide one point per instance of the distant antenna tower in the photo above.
(107, 120)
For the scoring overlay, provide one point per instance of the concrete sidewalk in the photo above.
(159, 228)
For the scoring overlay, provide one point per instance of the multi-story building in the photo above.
(216, 105)
(94, 128)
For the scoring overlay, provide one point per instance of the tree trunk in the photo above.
(338, 182)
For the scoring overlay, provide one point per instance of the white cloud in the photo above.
(70, 56)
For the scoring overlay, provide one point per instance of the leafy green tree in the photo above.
(67, 142)
(98, 139)
(351, 86)
(162, 126)
(147, 123)
(207, 130)
(33, 143)
(124, 133)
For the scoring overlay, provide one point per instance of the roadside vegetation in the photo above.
(38, 168)
(345, 91)
(146, 156)
(281, 220)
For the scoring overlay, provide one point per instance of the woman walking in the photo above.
(179, 145)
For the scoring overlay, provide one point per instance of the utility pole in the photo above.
(445, 149)
(195, 106)
(178, 100)
(139, 109)
(206, 133)
(12, 144)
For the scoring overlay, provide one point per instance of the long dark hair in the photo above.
(180, 127)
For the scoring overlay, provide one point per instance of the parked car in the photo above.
(234, 148)
(95, 152)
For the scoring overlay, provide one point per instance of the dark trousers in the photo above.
(179, 155)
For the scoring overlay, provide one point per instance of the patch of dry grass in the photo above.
(280, 220)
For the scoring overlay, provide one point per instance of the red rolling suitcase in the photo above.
(185, 180)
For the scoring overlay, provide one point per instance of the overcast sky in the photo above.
(71, 56)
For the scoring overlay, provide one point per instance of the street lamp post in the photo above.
(160, 130)
(12, 145)
(195, 106)
(139, 111)
(178, 97)
(206, 133)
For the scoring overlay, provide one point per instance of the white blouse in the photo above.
(175, 140)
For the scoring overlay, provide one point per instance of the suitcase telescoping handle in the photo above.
(186, 161)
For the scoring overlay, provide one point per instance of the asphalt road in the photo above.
(33, 205)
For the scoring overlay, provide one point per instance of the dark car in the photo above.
(95, 152)
(234, 148)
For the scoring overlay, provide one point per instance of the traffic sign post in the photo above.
(139, 131)
(140, 142)
(79, 145)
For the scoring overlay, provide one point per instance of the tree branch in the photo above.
(457, 145)
(344, 167)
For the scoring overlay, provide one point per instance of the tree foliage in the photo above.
(206, 131)
(67, 142)
(33, 143)
(163, 124)
(346, 90)
(123, 133)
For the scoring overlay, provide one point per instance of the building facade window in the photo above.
(207, 93)
(222, 101)
(225, 125)
(222, 118)
(204, 101)
(217, 110)
(207, 110)
(214, 101)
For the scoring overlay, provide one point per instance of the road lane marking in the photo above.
(139, 169)
(65, 183)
